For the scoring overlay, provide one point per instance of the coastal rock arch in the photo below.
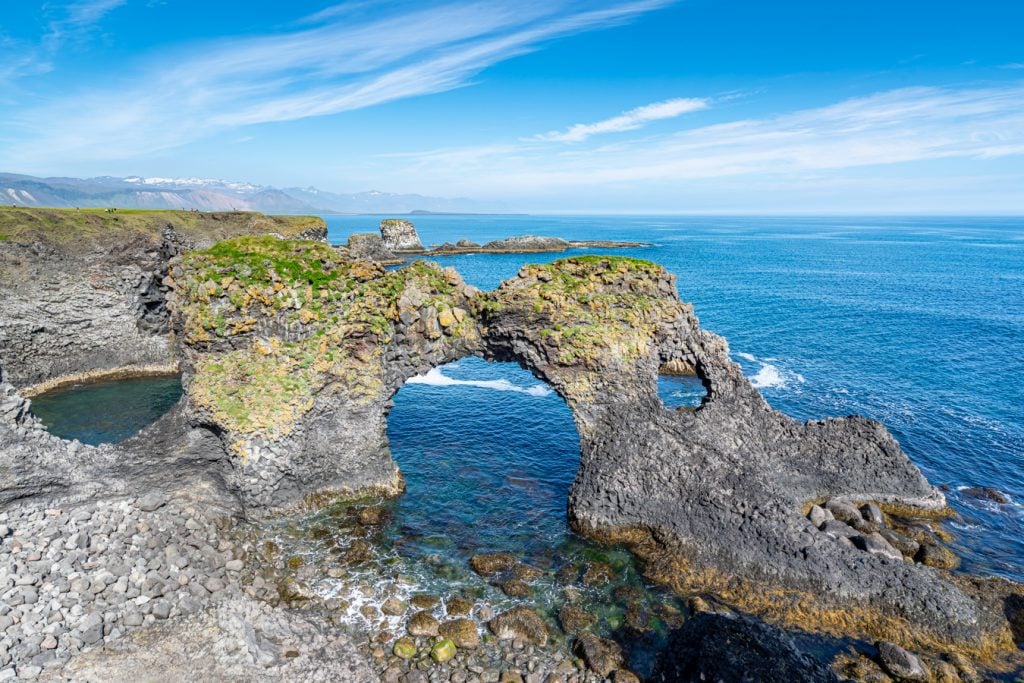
(292, 353)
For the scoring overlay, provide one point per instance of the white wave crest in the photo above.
(436, 378)
(770, 376)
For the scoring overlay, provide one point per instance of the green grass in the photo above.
(83, 229)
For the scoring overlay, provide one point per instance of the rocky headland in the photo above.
(118, 559)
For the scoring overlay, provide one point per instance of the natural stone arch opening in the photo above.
(488, 453)
(682, 387)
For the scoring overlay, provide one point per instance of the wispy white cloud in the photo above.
(893, 127)
(341, 61)
(73, 21)
(77, 20)
(630, 120)
(1012, 65)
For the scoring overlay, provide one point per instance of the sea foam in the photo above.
(769, 376)
(435, 378)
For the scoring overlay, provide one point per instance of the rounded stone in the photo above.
(422, 624)
(442, 651)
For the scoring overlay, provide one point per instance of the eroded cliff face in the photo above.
(82, 292)
(291, 353)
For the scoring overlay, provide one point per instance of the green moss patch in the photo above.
(592, 311)
(235, 299)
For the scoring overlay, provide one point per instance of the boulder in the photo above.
(462, 632)
(520, 623)
(877, 545)
(405, 648)
(900, 663)
(844, 512)
(602, 656)
(370, 247)
(937, 556)
(422, 624)
(442, 651)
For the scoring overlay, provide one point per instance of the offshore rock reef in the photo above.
(398, 240)
(291, 351)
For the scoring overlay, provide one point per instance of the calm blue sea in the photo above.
(916, 322)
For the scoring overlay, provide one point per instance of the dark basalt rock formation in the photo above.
(398, 237)
(291, 353)
(370, 247)
(716, 647)
(528, 244)
(82, 292)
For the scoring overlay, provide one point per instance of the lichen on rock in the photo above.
(277, 334)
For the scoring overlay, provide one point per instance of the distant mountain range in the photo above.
(135, 192)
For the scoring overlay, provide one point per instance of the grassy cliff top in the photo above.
(593, 310)
(86, 228)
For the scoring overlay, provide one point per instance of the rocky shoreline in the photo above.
(398, 241)
(116, 559)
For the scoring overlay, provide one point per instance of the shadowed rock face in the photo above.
(82, 292)
(291, 354)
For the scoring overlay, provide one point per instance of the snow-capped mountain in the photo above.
(139, 192)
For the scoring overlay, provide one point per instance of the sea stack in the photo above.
(400, 235)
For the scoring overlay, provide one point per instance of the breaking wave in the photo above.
(436, 378)
(767, 375)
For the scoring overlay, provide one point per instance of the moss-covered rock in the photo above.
(405, 648)
(442, 651)
(462, 632)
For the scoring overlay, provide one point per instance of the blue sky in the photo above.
(561, 106)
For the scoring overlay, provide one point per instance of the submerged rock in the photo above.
(424, 600)
(986, 493)
(489, 564)
(520, 623)
(602, 656)
(714, 647)
(598, 574)
(573, 618)
(458, 606)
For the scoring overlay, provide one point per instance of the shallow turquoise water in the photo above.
(106, 412)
